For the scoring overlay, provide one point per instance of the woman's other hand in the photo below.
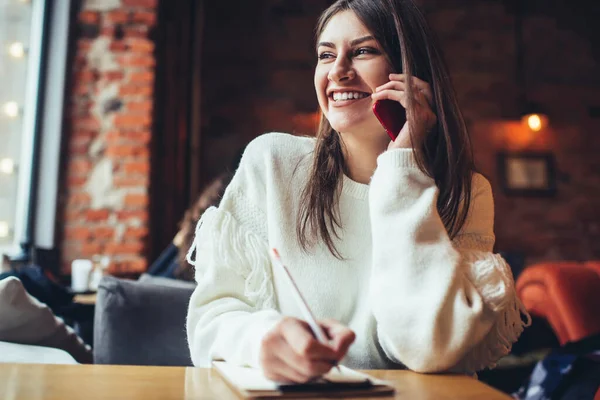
(290, 352)
(425, 118)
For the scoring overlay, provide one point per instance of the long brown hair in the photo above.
(446, 153)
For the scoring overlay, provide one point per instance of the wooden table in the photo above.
(39, 381)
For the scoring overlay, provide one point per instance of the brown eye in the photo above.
(365, 50)
(325, 55)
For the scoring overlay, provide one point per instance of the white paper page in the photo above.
(253, 379)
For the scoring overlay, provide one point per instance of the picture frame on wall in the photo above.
(527, 174)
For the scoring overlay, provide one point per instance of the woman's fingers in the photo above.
(280, 361)
(400, 96)
(290, 352)
(300, 338)
(390, 94)
(341, 337)
(279, 370)
(306, 367)
(421, 86)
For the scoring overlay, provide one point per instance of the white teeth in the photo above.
(337, 96)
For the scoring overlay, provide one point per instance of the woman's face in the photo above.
(351, 65)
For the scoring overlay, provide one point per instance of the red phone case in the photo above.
(391, 115)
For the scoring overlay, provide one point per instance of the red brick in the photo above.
(78, 198)
(83, 88)
(117, 17)
(107, 31)
(137, 167)
(138, 215)
(103, 232)
(140, 45)
(136, 90)
(137, 31)
(83, 134)
(84, 45)
(85, 76)
(113, 76)
(117, 151)
(76, 181)
(130, 265)
(89, 249)
(77, 232)
(141, 137)
(89, 123)
(89, 17)
(135, 266)
(140, 106)
(79, 166)
(118, 45)
(136, 233)
(132, 121)
(141, 77)
(127, 248)
(136, 200)
(144, 17)
(127, 181)
(97, 215)
(140, 3)
(80, 60)
(136, 60)
(113, 137)
(73, 214)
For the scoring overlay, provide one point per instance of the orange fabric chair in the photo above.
(566, 294)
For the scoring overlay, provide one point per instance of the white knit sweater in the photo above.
(413, 297)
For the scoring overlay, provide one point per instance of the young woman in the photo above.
(389, 242)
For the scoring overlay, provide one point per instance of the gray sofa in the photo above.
(142, 322)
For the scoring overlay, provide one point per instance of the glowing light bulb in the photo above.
(535, 122)
(11, 109)
(17, 50)
(7, 166)
(4, 229)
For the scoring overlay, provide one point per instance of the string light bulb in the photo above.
(4, 229)
(11, 109)
(16, 50)
(7, 166)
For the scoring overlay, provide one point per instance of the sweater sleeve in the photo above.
(440, 305)
(233, 305)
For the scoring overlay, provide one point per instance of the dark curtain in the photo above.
(176, 119)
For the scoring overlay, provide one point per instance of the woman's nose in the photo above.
(342, 71)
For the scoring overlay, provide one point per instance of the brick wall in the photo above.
(105, 197)
(562, 75)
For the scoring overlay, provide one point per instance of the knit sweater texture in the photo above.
(414, 297)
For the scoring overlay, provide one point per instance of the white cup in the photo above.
(80, 275)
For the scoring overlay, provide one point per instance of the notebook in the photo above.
(251, 383)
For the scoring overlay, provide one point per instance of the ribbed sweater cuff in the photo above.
(397, 158)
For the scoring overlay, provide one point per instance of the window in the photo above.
(21, 31)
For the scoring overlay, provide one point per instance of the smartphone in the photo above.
(391, 115)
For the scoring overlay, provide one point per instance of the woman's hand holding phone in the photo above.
(425, 118)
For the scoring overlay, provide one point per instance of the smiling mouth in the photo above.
(346, 97)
